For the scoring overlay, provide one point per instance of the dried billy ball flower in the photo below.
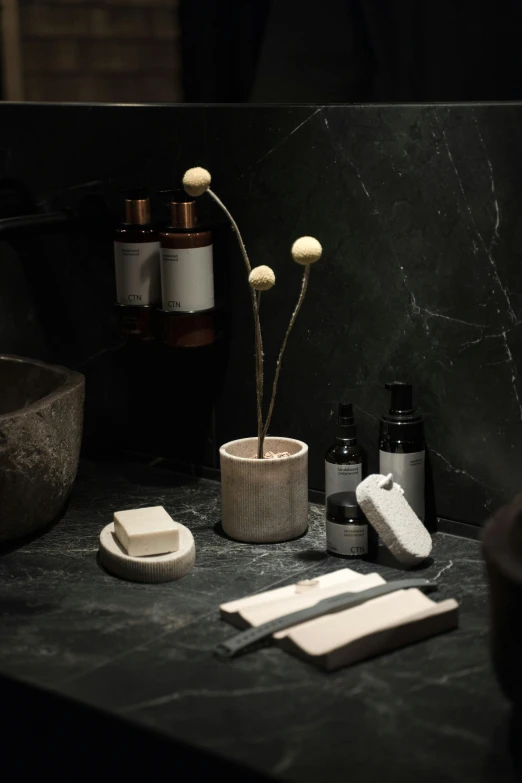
(261, 278)
(306, 250)
(196, 181)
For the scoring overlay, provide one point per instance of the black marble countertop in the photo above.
(429, 712)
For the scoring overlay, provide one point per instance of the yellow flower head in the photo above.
(261, 278)
(306, 250)
(196, 181)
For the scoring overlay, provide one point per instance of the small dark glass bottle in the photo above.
(345, 461)
(348, 532)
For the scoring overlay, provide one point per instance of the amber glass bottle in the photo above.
(187, 276)
(137, 255)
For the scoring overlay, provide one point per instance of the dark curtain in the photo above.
(325, 51)
(221, 41)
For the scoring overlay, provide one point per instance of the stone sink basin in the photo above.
(41, 417)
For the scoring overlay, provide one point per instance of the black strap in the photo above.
(335, 603)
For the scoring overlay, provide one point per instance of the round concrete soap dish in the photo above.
(153, 568)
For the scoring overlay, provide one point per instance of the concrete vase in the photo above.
(264, 501)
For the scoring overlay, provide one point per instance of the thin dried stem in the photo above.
(304, 284)
(261, 359)
(261, 354)
(235, 227)
(256, 301)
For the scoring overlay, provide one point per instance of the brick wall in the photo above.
(121, 51)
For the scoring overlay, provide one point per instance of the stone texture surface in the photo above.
(144, 653)
(264, 500)
(41, 418)
(418, 210)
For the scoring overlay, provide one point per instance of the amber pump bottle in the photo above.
(137, 254)
(187, 274)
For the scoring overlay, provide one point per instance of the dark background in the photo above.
(292, 51)
(417, 208)
(351, 50)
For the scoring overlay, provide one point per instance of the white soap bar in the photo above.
(146, 531)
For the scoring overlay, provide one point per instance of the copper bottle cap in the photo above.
(183, 214)
(137, 211)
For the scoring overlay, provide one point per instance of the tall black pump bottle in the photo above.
(402, 449)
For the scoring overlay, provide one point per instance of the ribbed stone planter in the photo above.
(264, 501)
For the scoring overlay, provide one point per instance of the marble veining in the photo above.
(418, 210)
(431, 711)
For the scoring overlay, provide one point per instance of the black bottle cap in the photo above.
(345, 413)
(401, 422)
(346, 421)
(342, 506)
(401, 397)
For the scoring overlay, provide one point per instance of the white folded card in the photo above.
(334, 640)
(233, 611)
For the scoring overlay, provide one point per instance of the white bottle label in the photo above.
(408, 471)
(351, 540)
(341, 478)
(137, 267)
(187, 279)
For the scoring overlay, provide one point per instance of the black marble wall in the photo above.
(417, 208)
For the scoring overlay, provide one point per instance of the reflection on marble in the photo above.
(418, 211)
(431, 711)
